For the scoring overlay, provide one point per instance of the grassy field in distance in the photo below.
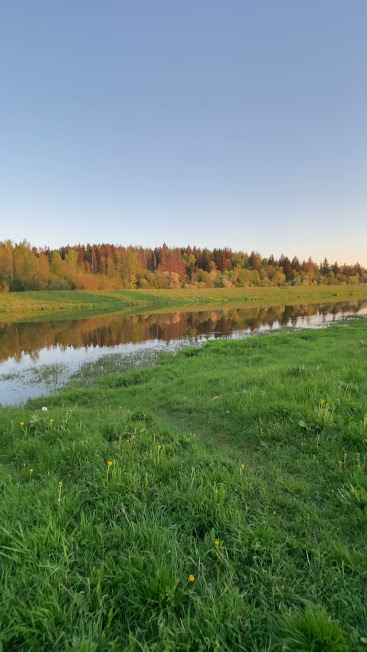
(232, 515)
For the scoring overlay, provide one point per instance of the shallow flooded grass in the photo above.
(215, 501)
(89, 372)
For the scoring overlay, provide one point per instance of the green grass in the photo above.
(14, 304)
(26, 305)
(277, 547)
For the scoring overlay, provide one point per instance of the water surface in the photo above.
(38, 357)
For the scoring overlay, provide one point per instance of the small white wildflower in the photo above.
(44, 409)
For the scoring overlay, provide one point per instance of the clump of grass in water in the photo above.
(115, 363)
(51, 375)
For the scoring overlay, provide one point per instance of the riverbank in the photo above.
(231, 517)
(23, 306)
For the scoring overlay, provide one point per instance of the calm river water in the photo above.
(37, 358)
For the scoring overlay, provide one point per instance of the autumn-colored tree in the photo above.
(254, 261)
(286, 266)
(7, 263)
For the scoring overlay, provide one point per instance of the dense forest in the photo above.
(109, 267)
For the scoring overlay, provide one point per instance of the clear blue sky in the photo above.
(237, 123)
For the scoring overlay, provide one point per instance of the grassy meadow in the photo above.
(27, 305)
(214, 502)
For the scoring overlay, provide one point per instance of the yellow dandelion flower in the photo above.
(109, 463)
(30, 470)
(191, 578)
(60, 484)
(322, 400)
(22, 423)
(51, 420)
(216, 542)
(159, 446)
(242, 466)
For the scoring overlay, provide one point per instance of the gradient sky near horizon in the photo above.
(238, 123)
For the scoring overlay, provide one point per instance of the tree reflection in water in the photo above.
(21, 338)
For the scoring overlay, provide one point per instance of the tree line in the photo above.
(110, 267)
